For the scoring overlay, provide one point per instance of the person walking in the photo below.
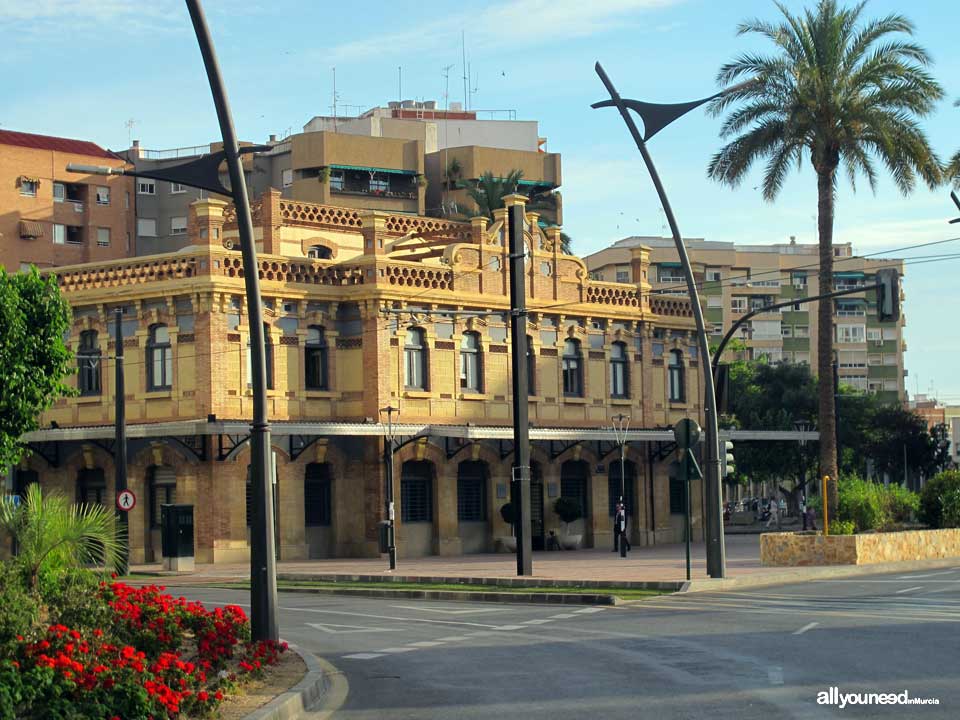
(774, 513)
(620, 527)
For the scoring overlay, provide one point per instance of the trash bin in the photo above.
(384, 535)
(176, 537)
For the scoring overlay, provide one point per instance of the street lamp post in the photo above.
(204, 173)
(656, 117)
(388, 486)
(621, 424)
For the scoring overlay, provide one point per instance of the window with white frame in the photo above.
(177, 188)
(146, 227)
(286, 177)
(890, 359)
(59, 192)
(28, 187)
(856, 381)
(103, 195)
(874, 334)
(714, 301)
(623, 276)
(713, 275)
(178, 226)
(874, 360)
(851, 334)
(103, 237)
(146, 187)
(59, 234)
(738, 304)
(801, 331)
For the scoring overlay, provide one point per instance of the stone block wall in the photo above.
(795, 550)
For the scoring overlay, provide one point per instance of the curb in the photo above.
(808, 573)
(511, 582)
(307, 694)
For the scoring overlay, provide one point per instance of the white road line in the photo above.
(808, 626)
(589, 610)
(453, 638)
(332, 629)
(426, 643)
(562, 616)
(509, 627)
(446, 611)
(397, 650)
(906, 590)
(362, 656)
(775, 675)
(388, 617)
(542, 621)
(928, 575)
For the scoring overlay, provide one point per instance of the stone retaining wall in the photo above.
(794, 550)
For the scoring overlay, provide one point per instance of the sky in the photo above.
(84, 68)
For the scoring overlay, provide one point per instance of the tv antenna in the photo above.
(129, 126)
(446, 86)
(335, 98)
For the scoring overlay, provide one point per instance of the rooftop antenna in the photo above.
(400, 84)
(446, 86)
(335, 98)
(463, 47)
(129, 125)
(470, 79)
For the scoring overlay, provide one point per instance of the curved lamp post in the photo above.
(655, 117)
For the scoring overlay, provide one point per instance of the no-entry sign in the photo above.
(126, 500)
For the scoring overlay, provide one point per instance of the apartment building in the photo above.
(50, 217)
(736, 279)
(334, 359)
(405, 158)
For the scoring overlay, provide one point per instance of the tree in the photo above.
(489, 192)
(841, 90)
(953, 167)
(34, 318)
(51, 531)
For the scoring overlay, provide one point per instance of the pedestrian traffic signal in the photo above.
(729, 465)
(888, 295)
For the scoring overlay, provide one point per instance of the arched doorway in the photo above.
(628, 487)
(416, 508)
(161, 490)
(318, 510)
(91, 486)
(575, 484)
(472, 512)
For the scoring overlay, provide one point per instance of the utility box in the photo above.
(176, 537)
(384, 535)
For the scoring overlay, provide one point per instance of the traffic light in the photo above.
(729, 465)
(888, 295)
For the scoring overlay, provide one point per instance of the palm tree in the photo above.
(489, 191)
(50, 530)
(841, 90)
(953, 167)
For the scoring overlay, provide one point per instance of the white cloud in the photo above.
(40, 16)
(872, 237)
(495, 26)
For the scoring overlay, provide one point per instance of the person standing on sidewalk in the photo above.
(620, 527)
(774, 513)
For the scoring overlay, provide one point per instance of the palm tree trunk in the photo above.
(826, 420)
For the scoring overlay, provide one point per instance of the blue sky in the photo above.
(82, 68)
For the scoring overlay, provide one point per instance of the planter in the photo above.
(508, 543)
(570, 542)
(797, 549)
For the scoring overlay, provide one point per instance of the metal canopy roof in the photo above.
(467, 432)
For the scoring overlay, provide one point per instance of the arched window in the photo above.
(319, 252)
(416, 492)
(415, 357)
(159, 359)
(163, 491)
(267, 355)
(675, 376)
(316, 495)
(472, 491)
(619, 386)
(91, 486)
(531, 368)
(88, 363)
(572, 369)
(471, 366)
(315, 359)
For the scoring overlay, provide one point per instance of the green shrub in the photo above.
(73, 598)
(862, 503)
(932, 497)
(951, 508)
(902, 504)
(568, 509)
(19, 610)
(841, 527)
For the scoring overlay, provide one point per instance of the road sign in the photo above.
(686, 433)
(126, 500)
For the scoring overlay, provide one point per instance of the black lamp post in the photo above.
(621, 424)
(204, 173)
(655, 117)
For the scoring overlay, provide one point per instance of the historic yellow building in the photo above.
(335, 360)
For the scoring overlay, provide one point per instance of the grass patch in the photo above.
(621, 592)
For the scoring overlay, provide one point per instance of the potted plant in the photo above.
(509, 542)
(569, 510)
(421, 181)
(323, 175)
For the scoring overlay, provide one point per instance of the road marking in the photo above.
(509, 627)
(928, 575)
(589, 610)
(562, 616)
(362, 656)
(481, 633)
(775, 675)
(808, 626)
(345, 629)
(425, 643)
(906, 590)
(542, 621)
(397, 650)
(388, 617)
(447, 611)
(453, 638)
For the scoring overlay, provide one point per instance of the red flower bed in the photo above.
(161, 657)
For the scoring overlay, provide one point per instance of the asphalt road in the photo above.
(763, 653)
